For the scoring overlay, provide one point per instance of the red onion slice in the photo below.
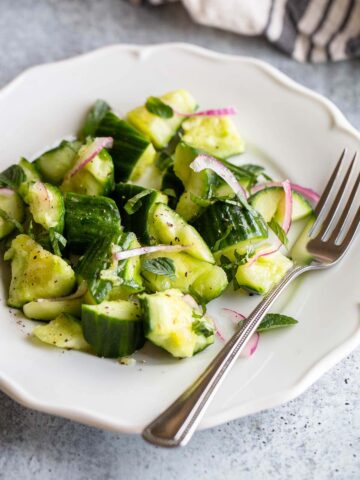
(135, 252)
(93, 150)
(214, 112)
(306, 192)
(253, 342)
(202, 162)
(6, 191)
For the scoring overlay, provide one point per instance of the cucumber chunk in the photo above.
(166, 226)
(64, 332)
(13, 206)
(88, 217)
(172, 186)
(138, 220)
(48, 309)
(264, 273)
(31, 175)
(95, 178)
(226, 226)
(216, 136)
(175, 324)
(46, 205)
(113, 329)
(55, 163)
(268, 202)
(299, 251)
(202, 279)
(199, 184)
(132, 152)
(161, 130)
(36, 273)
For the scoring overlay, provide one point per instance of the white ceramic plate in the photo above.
(294, 132)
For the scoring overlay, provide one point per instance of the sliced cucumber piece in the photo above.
(64, 332)
(48, 309)
(95, 178)
(161, 130)
(202, 279)
(95, 268)
(113, 329)
(55, 163)
(268, 202)
(31, 175)
(166, 226)
(129, 271)
(138, 219)
(264, 273)
(46, 205)
(13, 206)
(175, 324)
(216, 136)
(36, 273)
(132, 152)
(299, 252)
(88, 217)
(227, 225)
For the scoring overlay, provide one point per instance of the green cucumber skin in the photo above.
(111, 337)
(129, 144)
(138, 222)
(88, 217)
(217, 218)
(171, 181)
(97, 258)
(53, 164)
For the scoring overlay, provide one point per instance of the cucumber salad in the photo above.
(125, 233)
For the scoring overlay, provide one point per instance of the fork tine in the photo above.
(330, 217)
(352, 231)
(320, 208)
(340, 224)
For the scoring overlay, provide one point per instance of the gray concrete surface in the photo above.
(313, 437)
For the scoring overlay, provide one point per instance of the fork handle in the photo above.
(176, 425)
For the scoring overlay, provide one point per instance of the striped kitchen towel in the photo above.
(308, 30)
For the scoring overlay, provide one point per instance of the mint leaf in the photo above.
(279, 231)
(12, 177)
(275, 320)
(56, 239)
(157, 107)
(8, 218)
(134, 203)
(160, 266)
(201, 327)
(93, 118)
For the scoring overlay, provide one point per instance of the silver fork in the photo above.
(328, 243)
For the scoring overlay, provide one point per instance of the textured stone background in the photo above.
(313, 437)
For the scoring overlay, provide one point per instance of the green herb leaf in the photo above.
(160, 266)
(230, 267)
(56, 239)
(93, 119)
(8, 218)
(224, 237)
(275, 320)
(163, 161)
(12, 177)
(279, 231)
(134, 203)
(157, 107)
(201, 327)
